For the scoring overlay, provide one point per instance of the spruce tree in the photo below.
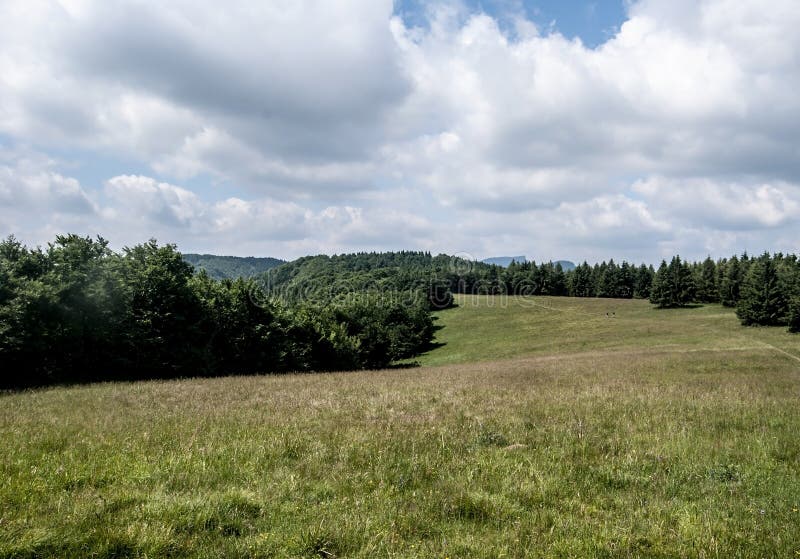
(794, 314)
(559, 279)
(644, 282)
(580, 281)
(762, 301)
(609, 280)
(731, 283)
(673, 285)
(627, 281)
(659, 292)
(707, 291)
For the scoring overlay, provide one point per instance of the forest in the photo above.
(76, 311)
(231, 267)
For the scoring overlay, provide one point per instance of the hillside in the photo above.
(388, 273)
(231, 267)
(491, 328)
(555, 431)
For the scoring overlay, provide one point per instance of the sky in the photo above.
(576, 130)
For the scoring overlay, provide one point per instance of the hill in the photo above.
(490, 328)
(555, 431)
(398, 273)
(231, 267)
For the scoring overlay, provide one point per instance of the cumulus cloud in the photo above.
(330, 126)
(723, 205)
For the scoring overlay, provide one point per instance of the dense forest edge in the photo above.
(76, 311)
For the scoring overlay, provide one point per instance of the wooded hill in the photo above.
(231, 267)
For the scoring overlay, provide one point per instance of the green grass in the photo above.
(644, 435)
(485, 328)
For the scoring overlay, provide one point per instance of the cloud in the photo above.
(728, 206)
(305, 84)
(331, 126)
(30, 185)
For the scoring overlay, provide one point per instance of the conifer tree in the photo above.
(707, 291)
(659, 292)
(580, 284)
(762, 300)
(794, 314)
(731, 283)
(673, 285)
(559, 287)
(644, 282)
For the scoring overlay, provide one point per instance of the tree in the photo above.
(163, 312)
(580, 281)
(643, 282)
(672, 285)
(794, 314)
(706, 282)
(731, 284)
(610, 279)
(559, 281)
(763, 300)
(659, 293)
(627, 281)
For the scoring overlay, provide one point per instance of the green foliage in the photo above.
(705, 279)
(400, 274)
(231, 267)
(580, 281)
(80, 312)
(764, 299)
(644, 282)
(731, 283)
(794, 314)
(673, 285)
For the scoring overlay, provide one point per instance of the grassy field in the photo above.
(542, 428)
(493, 328)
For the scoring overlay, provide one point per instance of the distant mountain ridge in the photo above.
(231, 267)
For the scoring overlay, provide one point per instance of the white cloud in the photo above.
(332, 126)
(32, 186)
(723, 205)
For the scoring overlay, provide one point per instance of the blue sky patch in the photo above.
(593, 22)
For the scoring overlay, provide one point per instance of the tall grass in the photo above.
(665, 451)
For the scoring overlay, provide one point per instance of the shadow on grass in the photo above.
(406, 365)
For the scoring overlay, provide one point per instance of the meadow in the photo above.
(541, 427)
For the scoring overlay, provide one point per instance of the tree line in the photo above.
(77, 311)
(765, 290)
